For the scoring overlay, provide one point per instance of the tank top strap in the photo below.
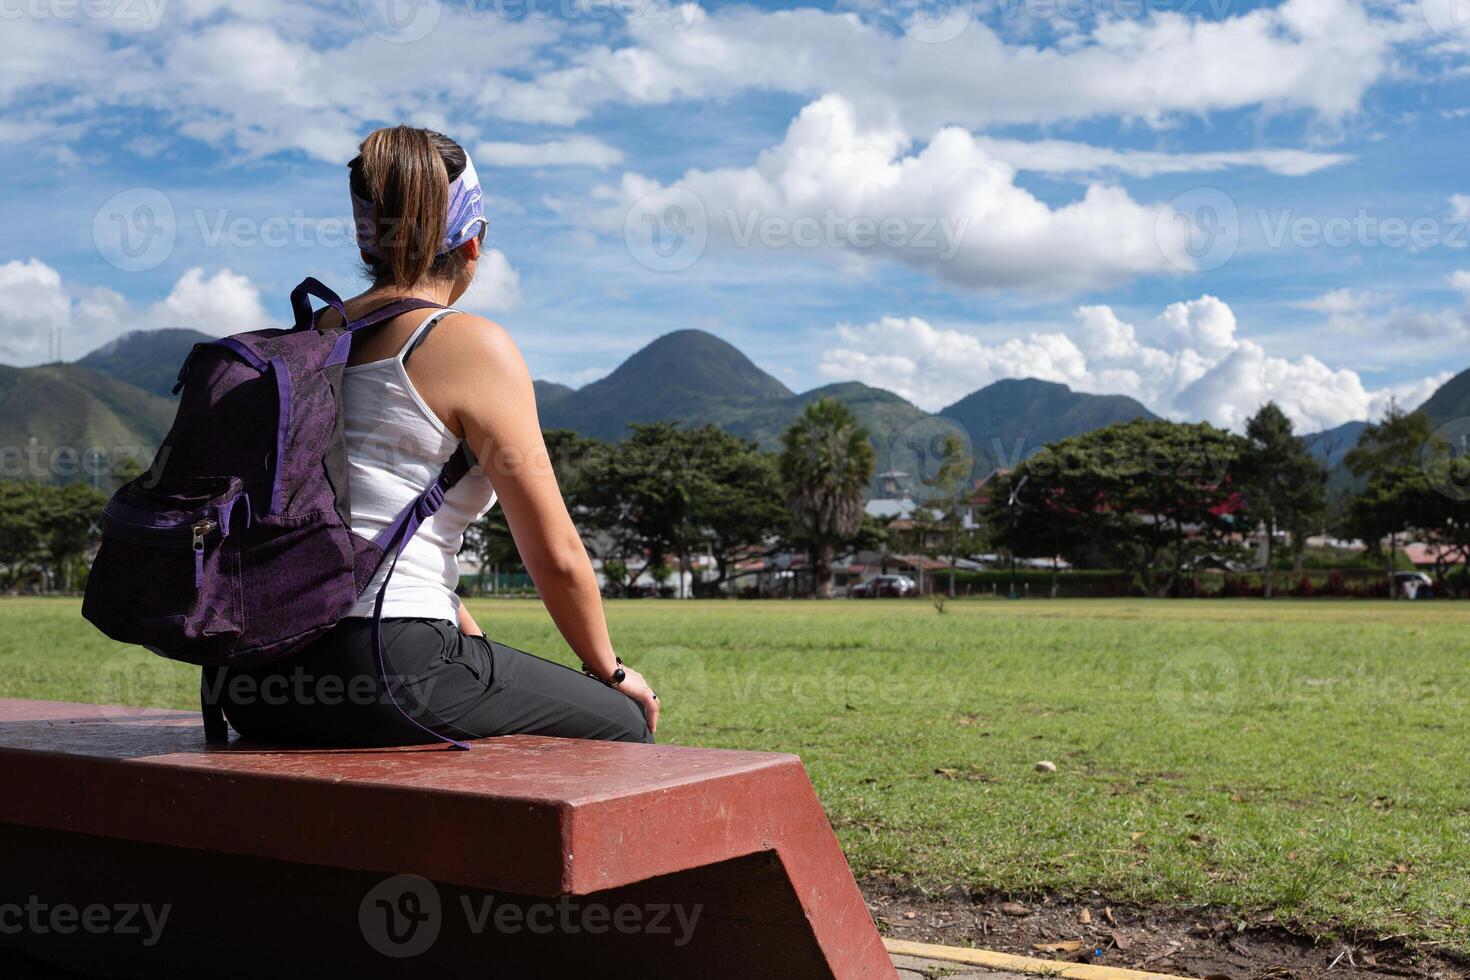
(422, 333)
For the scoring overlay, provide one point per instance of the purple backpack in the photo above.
(235, 548)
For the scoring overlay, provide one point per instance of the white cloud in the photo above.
(1460, 207)
(1459, 280)
(1316, 55)
(835, 185)
(496, 287)
(1373, 314)
(1450, 324)
(578, 151)
(46, 310)
(1407, 395)
(252, 78)
(1345, 302)
(934, 367)
(1198, 367)
(1067, 157)
(222, 304)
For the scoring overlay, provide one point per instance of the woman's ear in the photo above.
(471, 250)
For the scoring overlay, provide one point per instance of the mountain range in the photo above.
(58, 406)
(149, 359)
(700, 379)
(119, 395)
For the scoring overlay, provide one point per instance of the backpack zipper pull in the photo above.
(201, 530)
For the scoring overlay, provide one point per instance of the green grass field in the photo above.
(1307, 759)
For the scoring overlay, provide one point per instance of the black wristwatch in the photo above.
(618, 676)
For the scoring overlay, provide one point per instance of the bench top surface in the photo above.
(517, 767)
(519, 814)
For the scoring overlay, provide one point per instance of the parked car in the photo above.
(1413, 585)
(885, 586)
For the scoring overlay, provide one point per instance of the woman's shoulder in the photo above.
(470, 331)
(476, 343)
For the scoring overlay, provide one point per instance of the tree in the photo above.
(639, 493)
(47, 527)
(736, 504)
(490, 541)
(1442, 508)
(826, 465)
(66, 518)
(945, 490)
(1285, 486)
(1154, 497)
(1386, 458)
(20, 527)
(1394, 441)
(1429, 498)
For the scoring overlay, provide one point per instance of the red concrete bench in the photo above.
(535, 857)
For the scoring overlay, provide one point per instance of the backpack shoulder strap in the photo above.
(392, 540)
(309, 287)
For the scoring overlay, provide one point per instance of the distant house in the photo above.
(1432, 556)
(892, 485)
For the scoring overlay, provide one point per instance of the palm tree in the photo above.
(826, 464)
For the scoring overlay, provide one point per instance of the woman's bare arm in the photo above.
(478, 375)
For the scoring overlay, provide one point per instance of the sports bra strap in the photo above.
(422, 334)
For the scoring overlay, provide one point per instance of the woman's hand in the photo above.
(467, 624)
(635, 686)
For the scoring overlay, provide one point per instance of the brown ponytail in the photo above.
(405, 173)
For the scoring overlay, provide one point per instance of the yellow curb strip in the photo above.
(1018, 964)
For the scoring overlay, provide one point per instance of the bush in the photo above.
(1076, 583)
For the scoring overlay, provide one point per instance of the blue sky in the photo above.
(1203, 204)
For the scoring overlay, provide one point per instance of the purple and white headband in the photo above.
(466, 214)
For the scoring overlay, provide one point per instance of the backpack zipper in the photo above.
(161, 535)
(201, 531)
(166, 535)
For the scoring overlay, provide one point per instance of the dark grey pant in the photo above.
(456, 685)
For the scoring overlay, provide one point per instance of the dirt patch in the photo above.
(1201, 942)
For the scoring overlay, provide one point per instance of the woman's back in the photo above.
(407, 409)
(396, 445)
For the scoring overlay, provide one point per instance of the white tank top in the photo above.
(396, 446)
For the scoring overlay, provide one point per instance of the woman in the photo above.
(416, 388)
